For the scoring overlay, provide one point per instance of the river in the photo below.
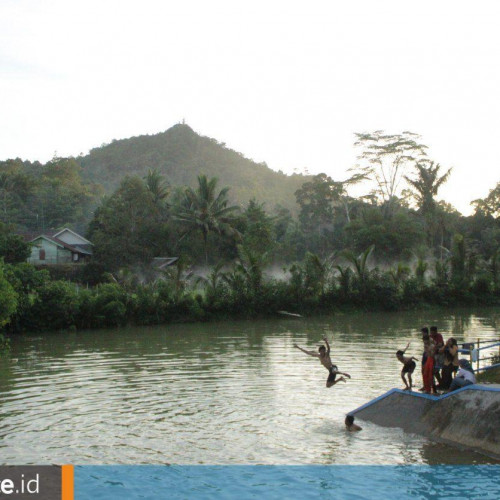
(218, 393)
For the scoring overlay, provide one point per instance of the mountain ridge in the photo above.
(180, 155)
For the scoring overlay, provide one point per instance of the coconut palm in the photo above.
(427, 185)
(202, 209)
(157, 186)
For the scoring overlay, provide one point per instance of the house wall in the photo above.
(53, 253)
(64, 256)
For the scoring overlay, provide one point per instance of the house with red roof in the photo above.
(63, 247)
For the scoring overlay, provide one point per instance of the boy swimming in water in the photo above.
(350, 425)
(324, 356)
(408, 366)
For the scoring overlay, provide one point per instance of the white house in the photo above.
(63, 247)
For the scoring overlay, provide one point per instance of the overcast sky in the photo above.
(285, 82)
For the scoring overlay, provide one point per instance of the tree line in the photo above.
(394, 247)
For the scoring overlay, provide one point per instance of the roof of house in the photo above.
(72, 248)
(84, 248)
(66, 229)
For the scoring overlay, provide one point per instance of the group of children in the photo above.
(441, 368)
(439, 364)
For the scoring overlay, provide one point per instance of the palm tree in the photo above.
(204, 210)
(157, 186)
(315, 274)
(427, 184)
(213, 282)
(426, 187)
(345, 274)
(178, 278)
(360, 262)
(399, 274)
(420, 269)
(247, 275)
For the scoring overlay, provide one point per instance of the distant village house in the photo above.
(63, 247)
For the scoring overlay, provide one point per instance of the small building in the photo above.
(63, 247)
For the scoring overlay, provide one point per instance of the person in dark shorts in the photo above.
(324, 356)
(332, 376)
(450, 356)
(409, 366)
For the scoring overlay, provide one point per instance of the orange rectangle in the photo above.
(68, 482)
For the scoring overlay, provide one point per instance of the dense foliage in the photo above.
(180, 155)
(393, 248)
(38, 197)
(32, 301)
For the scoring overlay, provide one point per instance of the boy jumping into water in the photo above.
(408, 366)
(324, 356)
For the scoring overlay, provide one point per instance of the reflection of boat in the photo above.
(286, 313)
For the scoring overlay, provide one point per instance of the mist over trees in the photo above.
(250, 240)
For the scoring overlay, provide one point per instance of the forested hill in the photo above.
(180, 155)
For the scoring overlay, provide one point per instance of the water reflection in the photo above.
(216, 393)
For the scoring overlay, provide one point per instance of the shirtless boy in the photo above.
(324, 356)
(408, 366)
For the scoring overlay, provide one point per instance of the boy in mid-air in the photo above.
(408, 366)
(324, 356)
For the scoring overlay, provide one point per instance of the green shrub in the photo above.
(54, 307)
(114, 313)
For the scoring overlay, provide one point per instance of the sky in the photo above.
(288, 83)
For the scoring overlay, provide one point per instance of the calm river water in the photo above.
(218, 393)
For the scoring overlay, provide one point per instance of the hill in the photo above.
(180, 155)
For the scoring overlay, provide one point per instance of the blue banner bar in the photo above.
(199, 482)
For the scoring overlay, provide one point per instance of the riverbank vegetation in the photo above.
(395, 247)
(491, 376)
